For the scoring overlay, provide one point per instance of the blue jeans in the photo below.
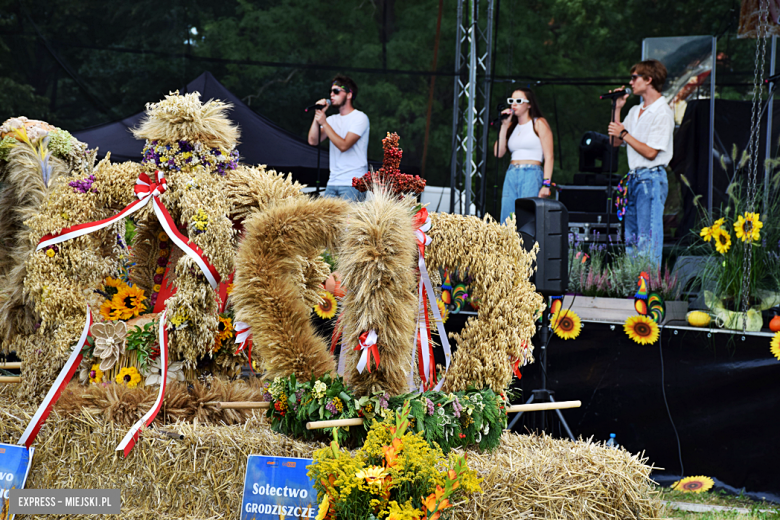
(644, 221)
(521, 181)
(345, 192)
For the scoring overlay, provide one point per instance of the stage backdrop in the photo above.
(723, 395)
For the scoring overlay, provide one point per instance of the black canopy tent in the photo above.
(262, 142)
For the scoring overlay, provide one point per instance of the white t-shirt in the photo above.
(656, 129)
(354, 162)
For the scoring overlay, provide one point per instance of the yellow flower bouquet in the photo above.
(396, 475)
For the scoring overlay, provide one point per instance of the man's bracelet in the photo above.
(623, 133)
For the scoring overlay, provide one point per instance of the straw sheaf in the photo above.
(250, 189)
(509, 304)
(43, 355)
(114, 183)
(124, 406)
(197, 300)
(191, 192)
(376, 261)
(202, 476)
(184, 117)
(22, 196)
(279, 247)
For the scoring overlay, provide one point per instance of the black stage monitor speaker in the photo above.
(546, 221)
(596, 147)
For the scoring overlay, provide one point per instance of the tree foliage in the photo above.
(78, 63)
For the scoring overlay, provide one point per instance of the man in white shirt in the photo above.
(348, 133)
(648, 130)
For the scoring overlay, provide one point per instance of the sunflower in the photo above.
(106, 309)
(225, 330)
(641, 329)
(749, 227)
(566, 324)
(443, 311)
(327, 309)
(95, 374)
(775, 345)
(707, 233)
(128, 376)
(722, 241)
(127, 303)
(693, 484)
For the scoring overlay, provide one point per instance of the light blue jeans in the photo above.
(521, 181)
(644, 221)
(345, 192)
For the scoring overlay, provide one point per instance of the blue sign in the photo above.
(278, 487)
(14, 467)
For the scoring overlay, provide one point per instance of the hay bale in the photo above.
(202, 475)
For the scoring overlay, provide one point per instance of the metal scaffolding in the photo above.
(471, 106)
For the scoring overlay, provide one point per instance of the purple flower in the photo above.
(383, 400)
(456, 407)
(267, 397)
(430, 406)
(331, 408)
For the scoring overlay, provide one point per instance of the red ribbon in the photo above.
(147, 190)
(367, 343)
(64, 377)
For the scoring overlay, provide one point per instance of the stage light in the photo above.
(596, 147)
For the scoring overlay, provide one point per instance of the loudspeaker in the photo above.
(596, 147)
(546, 221)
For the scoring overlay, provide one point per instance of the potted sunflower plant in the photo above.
(744, 253)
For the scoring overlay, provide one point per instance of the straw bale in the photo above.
(527, 476)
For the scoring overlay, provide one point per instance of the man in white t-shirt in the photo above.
(648, 130)
(348, 133)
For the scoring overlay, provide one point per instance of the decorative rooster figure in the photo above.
(446, 288)
(648, 303)
(556, 302)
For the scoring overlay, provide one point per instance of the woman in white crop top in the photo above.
(528, 137)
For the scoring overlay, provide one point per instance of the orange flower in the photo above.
(391, 452)
(435, 503)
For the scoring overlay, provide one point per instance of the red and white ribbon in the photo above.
(367, 343)
(422, 224)
(147, 190)
(64, 377)
(131, 438)
(244, 340)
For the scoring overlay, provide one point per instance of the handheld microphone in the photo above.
(318, 107)
(500, 117)
(616, 94)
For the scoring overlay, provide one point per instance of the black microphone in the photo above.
(318, 107)
(771, 79)
(500, 117)
(616, 94)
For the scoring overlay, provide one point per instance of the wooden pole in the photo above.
(10, 379)
(317, 425)
(533, 407)
(11, 365)
(239, 405)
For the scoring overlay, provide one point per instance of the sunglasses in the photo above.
(336, 91)
(635, 76)
(518, 101)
